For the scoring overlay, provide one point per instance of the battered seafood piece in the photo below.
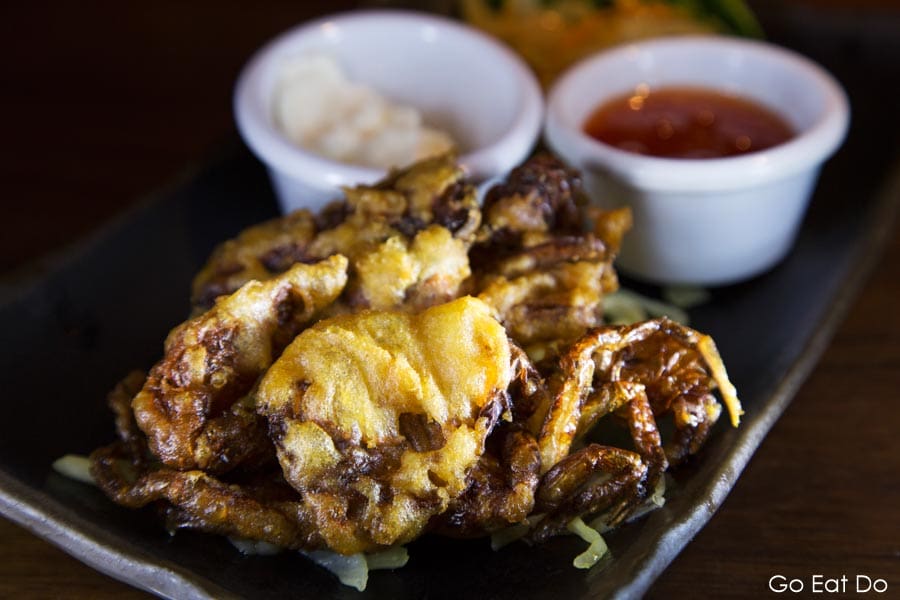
(379, 417)
(541, 261)
(194, 406)
(258, 253)
(344, 393)
(501, 486)
(407, 240)
(132, 439)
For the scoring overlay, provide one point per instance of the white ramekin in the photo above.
(703, 221)
(459, 78)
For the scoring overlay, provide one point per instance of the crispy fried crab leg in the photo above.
(266, 510)
(642, 371)
(677, 367)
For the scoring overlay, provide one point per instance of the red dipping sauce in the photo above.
(686, 122)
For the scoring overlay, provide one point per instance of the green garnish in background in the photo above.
(734, 16)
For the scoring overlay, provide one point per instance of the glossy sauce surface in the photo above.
(686, 122)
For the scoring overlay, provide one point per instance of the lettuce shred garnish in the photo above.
(625, 307)
(685, 296)
(597, 545)
(74, 466)
(354, 570)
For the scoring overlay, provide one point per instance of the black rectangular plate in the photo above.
(105, 308)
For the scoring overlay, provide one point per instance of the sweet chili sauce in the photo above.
(686, 122)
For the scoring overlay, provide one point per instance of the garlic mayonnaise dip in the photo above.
(319, 109)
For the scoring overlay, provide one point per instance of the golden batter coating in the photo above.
(194, 407)
(258, 253)
(378, 417)
(416, 274)
(407, 239)
(550, 305)
(543, 259)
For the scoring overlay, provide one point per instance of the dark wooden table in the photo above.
(104, 101)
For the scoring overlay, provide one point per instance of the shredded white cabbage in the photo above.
(74, 466)
(350, 570)
(392, 558)
(597, 545)
(685, 296)
(255, 547)
(625, 307)
(513, 533)
(354, 570)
